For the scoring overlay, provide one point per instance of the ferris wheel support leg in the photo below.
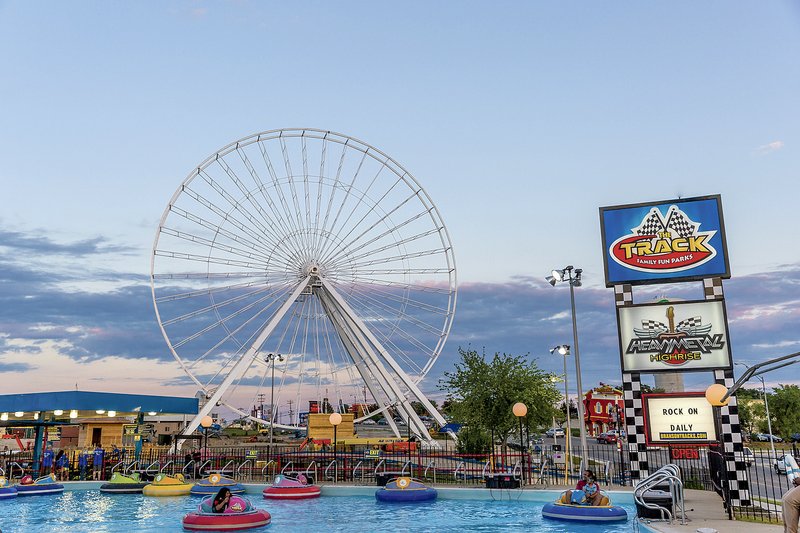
(246, 359)
(365, 366)
(421, 430)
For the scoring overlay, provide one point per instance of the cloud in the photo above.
(38, 244)
(768, 148)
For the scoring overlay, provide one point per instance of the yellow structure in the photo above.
(102, 430)
(319, 427)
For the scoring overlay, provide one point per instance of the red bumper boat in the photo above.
(239, 515)
(286, 488)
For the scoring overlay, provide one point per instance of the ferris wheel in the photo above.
(307, 268)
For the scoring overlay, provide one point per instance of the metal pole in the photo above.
(335, 461)
(569, 424)
(271, 404)
(524, 449)
(584, 447)
(769, 422)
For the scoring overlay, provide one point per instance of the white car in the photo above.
(780, 466)
(555, 432)
(368, 422)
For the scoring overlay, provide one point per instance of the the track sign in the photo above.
(674, 336)
(678, 419)
(665, 241)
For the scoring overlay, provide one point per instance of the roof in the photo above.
(94, 401)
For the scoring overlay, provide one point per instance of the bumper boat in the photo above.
(239, 515)
(562, 510)
(43, 485)
(287, 488)
(6, 491)
(164, 485)
(121, 484)
(405, 489)
(214, 482)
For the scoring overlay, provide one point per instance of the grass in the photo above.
(768, 519)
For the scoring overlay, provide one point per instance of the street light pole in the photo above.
(271, 358)
(563, 350)
(335, 419)
(566, 274)
(520, 410)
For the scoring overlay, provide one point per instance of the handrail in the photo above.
(225, 467)
(130, 466)
(514, 470)
(187, 465)
(238, 468)
(410, 468)
(332, 463)
(116, 466)
(264, 470)
(431, 463)
(458, 467)
(2, 472)
(485, 467)
(314, 464)
(287, 465)
(147, 470)
(203, 465)
(11, 469)
(161, 470)
(355, 469)
(381, 462)
(671, 474)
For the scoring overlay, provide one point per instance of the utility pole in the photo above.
(291, 412)
(261, 403)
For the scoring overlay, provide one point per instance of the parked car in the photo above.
(383, 422)
(555, 432)
(795, 437)
(747, 456)
(614, 435)
(601, 438)
(368, 422)
(766, 437)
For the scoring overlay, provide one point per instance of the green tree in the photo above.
(481, 392)
(752, 415)
(784, 406)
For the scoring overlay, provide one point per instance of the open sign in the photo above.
(685, 453)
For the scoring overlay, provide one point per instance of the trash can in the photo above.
(501, 481)
(661, 498)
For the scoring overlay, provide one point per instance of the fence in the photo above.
(542, 466)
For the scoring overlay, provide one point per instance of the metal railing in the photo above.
(671, 475)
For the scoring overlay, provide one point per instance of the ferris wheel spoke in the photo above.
(404, 300)
(399, 314)
(255, 237)
(209, 259)
(394, 259)
(331, 198)
(388, 232)
(408, 271)
(197, 239)
(322, 160)
(357, 280)
(292, 189)
(216, 306)
(408, 240)
(293, 229)
(343, 202)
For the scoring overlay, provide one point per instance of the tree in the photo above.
(784, 406)
(481, 392)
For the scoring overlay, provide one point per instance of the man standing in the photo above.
(791, 507)
(97, 463)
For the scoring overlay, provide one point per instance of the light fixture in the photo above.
(562, 349)
(100, 411)
(335, 419)
(715, 393)
(151, 413)
(73, 414)
(36, 415)
(4, 417)
(19, 414)
(112, 414)
(520, 409)
(58, 412)
(572, 275)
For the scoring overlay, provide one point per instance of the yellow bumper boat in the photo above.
(164, 485)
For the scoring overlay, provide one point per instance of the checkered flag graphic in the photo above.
(680, 223)
(652, 224)
(690, 323)
(653, 325)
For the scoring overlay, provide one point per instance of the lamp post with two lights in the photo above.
(572, 276)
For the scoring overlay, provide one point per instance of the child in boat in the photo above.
(587, 493)
(221, 500)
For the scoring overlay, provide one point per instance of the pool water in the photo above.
(91, 511)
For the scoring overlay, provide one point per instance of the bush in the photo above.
(473, 440)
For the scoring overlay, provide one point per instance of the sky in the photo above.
(520, 120)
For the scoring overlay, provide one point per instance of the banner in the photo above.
(674, 336)
(666, 241)
(678, 419)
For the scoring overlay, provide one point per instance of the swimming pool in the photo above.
(84, 511)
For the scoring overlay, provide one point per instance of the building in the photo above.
(604, 409)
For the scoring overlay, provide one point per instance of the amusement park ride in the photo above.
(313, 244)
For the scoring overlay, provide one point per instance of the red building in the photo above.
(604, 409)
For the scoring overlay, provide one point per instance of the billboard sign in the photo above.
(666, 241)
(685, 418)
(674, 336)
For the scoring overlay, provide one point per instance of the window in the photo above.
(166, 429)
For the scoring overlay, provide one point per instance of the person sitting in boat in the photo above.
(221, 500)
(587, 494)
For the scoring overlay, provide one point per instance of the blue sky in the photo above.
(519, 119)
